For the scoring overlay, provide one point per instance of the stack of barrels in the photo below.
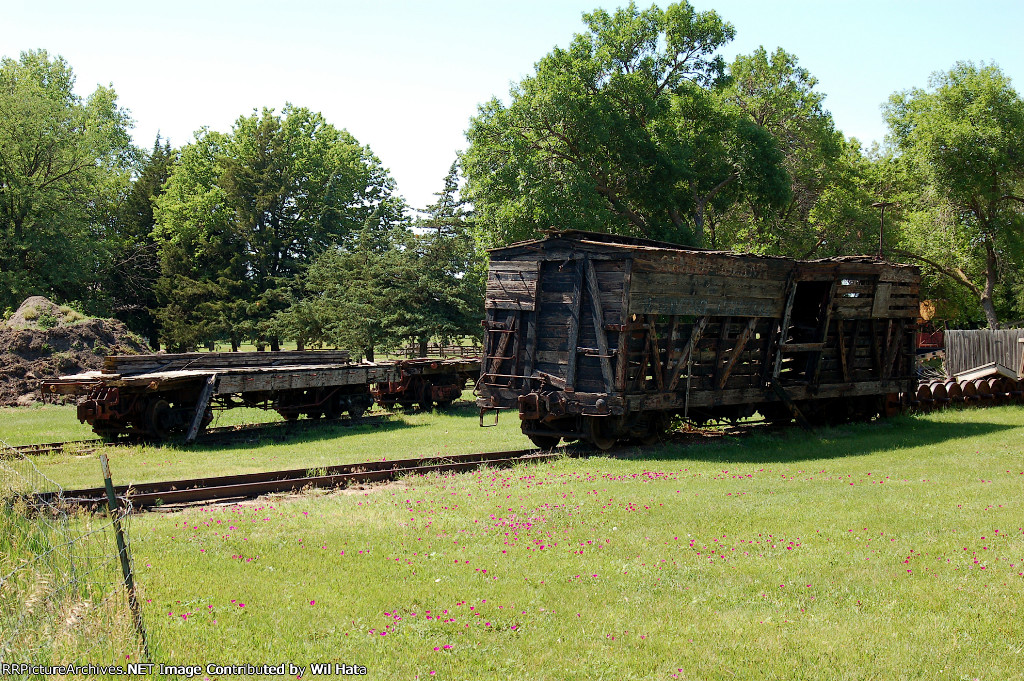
(980, 392)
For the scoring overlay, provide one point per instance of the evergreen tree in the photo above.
(135, 266)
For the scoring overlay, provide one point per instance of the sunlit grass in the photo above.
(890, 550)
(403, 435)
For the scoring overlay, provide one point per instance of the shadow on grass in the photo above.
(302, 435)
(792, 445)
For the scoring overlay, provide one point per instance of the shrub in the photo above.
(47, 320)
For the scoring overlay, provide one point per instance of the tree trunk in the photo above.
(422, 346)
(275, 344)
(991, 275)
(300, 343)
(368, 353)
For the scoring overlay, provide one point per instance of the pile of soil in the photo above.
(43, 340)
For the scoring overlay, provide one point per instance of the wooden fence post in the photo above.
(122, 549)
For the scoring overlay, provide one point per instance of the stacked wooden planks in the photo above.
(141, 364)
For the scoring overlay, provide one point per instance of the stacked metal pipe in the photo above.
(979, 392)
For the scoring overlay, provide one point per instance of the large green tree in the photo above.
(394, 282)
(962, 143)
(830, 196)
(444, 298)
(244, 212)
(64, 163)
(623, 131)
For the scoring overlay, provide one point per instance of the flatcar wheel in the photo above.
(333, 408)
(600, 432)
(356, 410)
(159, 418)
(426, 401)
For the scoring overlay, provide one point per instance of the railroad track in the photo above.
(237, 487)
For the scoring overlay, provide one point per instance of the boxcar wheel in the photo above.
(600, 432)
(657, 424)
(545, 441)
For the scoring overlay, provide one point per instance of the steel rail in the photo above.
(148, 495)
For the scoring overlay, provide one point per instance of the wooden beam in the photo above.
(841, 333)
(741, 343)
(530, 350)
(826, 320)
(695, 336)
(723, 338)
(784, 327)
(783, 396)
(670, 347)
(598, 319)
(204, 401)
(893, 343)
(876, 352)
(499, 352)
(853, 343)
(652, 338)
(574, 326)
(622, 361)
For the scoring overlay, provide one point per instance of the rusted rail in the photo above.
(149, 495)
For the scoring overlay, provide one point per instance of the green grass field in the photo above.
(890, 550)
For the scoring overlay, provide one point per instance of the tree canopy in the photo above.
(962, 143)
(245, 211)
(828, 203)
(64, 164)
(623, 131)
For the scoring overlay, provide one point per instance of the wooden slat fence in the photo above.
(967, 349)
(443, 351)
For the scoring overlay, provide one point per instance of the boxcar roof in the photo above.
(641, 244)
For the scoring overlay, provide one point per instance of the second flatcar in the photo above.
(163, 395)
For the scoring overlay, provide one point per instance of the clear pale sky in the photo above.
(405, 77)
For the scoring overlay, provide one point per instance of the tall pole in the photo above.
(881, 223)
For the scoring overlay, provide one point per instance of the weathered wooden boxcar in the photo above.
(598, 337)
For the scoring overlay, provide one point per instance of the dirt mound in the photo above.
(38, 312)
(43, 340)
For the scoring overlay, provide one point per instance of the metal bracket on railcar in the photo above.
(483, 410)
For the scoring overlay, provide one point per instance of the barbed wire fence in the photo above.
(63, 595)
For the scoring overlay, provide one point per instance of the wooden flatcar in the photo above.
(161, 395)
(603, 338)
